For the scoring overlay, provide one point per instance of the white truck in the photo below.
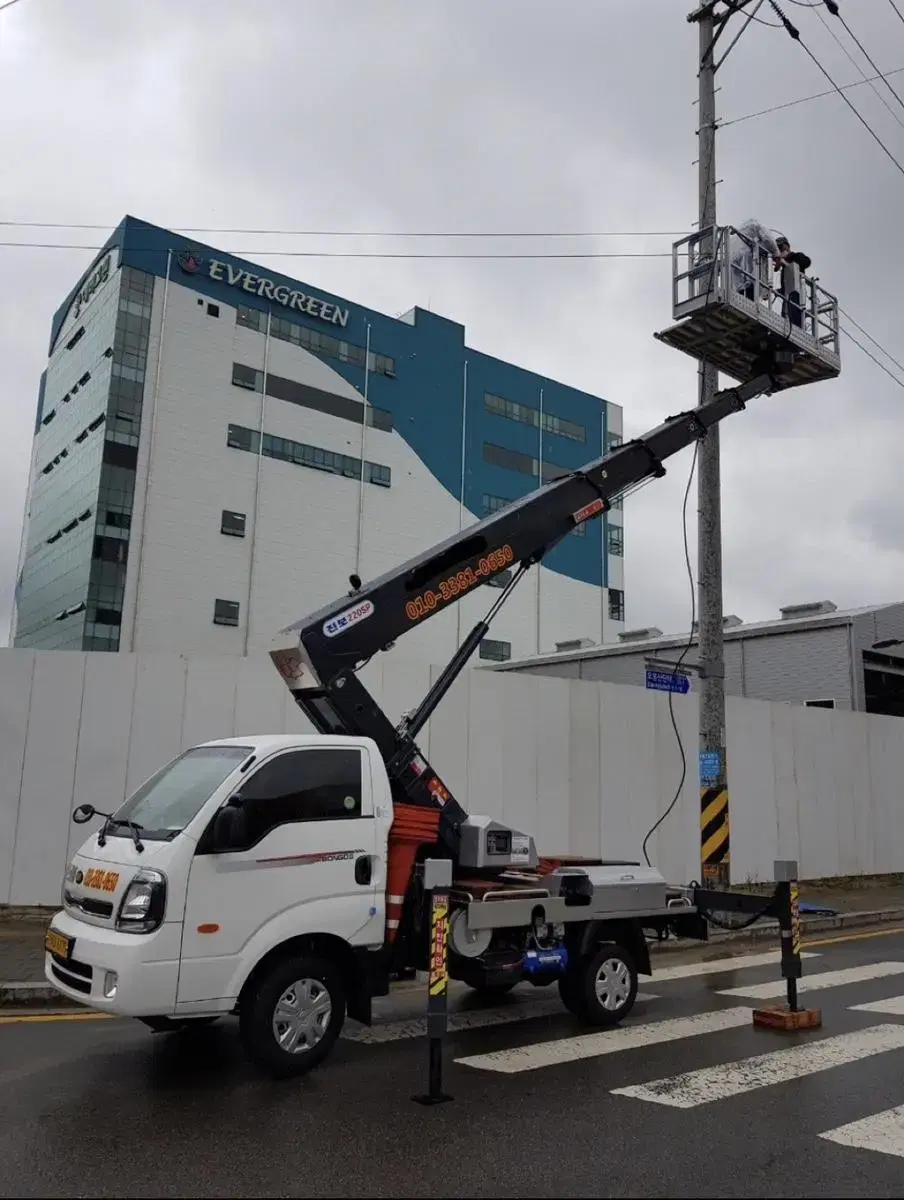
(279, 877)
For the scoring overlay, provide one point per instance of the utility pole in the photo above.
(715, 852)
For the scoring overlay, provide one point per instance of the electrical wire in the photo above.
(836, 12)
(844, 87)
(869, 354)
(897, 10)
(690, 575)
(681, 657)
(264, 251)
(504, 233)
(868, 335)
(795, 35)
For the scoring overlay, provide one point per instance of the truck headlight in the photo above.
(143, 903)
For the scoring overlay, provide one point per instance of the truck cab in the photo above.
(237, 858)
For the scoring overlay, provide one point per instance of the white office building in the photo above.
(196, 480)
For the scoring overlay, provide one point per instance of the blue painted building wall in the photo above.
(427, 393)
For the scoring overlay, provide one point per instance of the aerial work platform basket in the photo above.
(729, 310)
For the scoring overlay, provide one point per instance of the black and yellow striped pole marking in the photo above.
(787, 895)
(437, 884)
(715, 839)
(795, 919)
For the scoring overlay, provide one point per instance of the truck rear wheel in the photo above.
(292, 1018)
(602, 989)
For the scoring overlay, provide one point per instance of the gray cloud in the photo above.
(508, 115)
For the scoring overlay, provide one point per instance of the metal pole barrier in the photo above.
(437, 884)
(787, 904)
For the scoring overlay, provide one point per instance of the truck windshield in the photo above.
(165, 804)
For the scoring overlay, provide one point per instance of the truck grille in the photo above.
(76, 975)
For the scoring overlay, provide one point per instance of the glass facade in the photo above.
(72, 581)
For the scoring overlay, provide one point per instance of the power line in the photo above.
(897, 10)
(795, 34)
(836, 12)
(844, 87)
(8, 4)
(258, 250)
(506, 233)
(869, 354)
(868, 335)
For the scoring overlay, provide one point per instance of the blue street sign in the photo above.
(666, 681)
(710, 765)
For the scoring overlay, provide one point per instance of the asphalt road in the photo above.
(686, 1099)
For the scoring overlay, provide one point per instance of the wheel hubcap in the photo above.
(302, 1015)
(613, 984)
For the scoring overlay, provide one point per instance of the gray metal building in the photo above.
(813, 654)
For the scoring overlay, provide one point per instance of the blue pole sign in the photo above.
(667, 681)
(710, 766)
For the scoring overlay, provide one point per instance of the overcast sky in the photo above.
(497, 115)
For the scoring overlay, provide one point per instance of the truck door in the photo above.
(309, 863)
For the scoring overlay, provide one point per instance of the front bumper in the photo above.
(146, 968)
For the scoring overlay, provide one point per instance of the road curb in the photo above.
(34, 995)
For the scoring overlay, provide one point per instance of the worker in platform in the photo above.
(791, 266)
(751, 248)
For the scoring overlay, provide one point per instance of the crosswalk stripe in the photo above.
(414, 1027)
(763, 1070)
(882, 1132)
(610, 1041)
(892, 1007)
(718, 966)
(811, 983)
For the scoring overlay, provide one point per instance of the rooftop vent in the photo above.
(639, 635)
(574, 644)
(791, 611)
(728, 622)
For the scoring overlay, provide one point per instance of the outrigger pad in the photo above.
(781, 1017)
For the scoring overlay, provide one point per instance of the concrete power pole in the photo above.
(714, 827)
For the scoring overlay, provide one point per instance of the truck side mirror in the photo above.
(230, 828)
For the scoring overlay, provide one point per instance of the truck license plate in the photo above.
(57, 943)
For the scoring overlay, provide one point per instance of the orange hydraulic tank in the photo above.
(412, 827)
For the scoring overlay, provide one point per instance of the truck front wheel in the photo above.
(293, 1016)
(601, 990)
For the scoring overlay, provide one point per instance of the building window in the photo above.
(613, 440)
(492, 504)
(225, 612)
(240, 438)
(495, 651)
(616, 503)
(315, 341)
(580, 530)
(232, 523)
(526, 415)
(616, 604)
(247, 377)
(284, 449)
(213, 310)
(514, 460)
(819, 703)
(344, 407)
(616, 541)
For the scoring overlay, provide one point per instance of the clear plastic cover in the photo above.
(757, 240)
